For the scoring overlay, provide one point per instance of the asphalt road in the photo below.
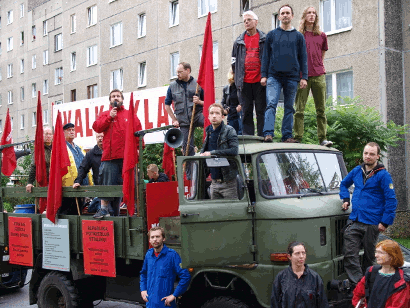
(17, 297)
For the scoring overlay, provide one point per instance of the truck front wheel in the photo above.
(56, 290)
(224, 302)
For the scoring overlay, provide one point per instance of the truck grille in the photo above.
(339, 224)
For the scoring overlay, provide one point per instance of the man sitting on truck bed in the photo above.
(161, 266)
(221, 140)
(374, 208)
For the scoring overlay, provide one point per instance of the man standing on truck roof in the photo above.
(161, 267)
(284, 65)
(48, 140)
(246, 60)
(221, 139)
(113, 123)
(298, 286)
(374, 206)
(183, 93)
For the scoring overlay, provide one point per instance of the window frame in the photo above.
(45, 117)
(73, 24)
(92, 18)
(10, 70)
(10, 17)
(45, 57)
(45, 86)
(94, 54)
(33, 32)
(90, 89)
(207, 7)
(142, 25)
(144, 81)
(33, 90)
(214, 55)
(21, 10)
(112, 73)
(333, 29)
(333, 76)
(9, 97)
(21, 38)
(10, 43)
(73, 61)
(22, 126)
(112, 34)
(58, 78)
(58, 40)
(34, 119)
(45, 26)
(22, 94)
(21, 66)
(33, 62)
(176, 64)
(172, 13)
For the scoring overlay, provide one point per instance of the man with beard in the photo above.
(374, 206)
(161, 267)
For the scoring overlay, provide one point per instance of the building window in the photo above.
(116, 34)
(214, 54)
(9, 17)
(33, 32)
(21, 66)
(22, 121)
(1, 125)
(92, 91)
(33, 62)
(45, 57)
(92, 55)
(22, 94)
(142, 25)
(142, 75)
(10, 70)
(45, 32)
(73, 95)
(10, 97)
(58, 41)
(45, 116)
(10, 44)
(92, 15)
(339, 85)
(1, 77)
(33, 90)
(205, 6)
(116, 79)
(275, 21)
(58, 75)
(245, 6)
(45, 86)
(73, 64)
(0, 47)
(336, 15)
(21, 10)
(173, 13)
(72, 23)
(59, 102)
(34, 119)
(174, 64)
(21, 38)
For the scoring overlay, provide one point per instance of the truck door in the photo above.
(213, 232)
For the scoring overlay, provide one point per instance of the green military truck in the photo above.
(232, 248)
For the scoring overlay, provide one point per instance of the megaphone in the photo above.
(174, 138)
(21, 153)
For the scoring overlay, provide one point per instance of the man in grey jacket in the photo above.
(222, 140)
(247, 54)
(183, 92)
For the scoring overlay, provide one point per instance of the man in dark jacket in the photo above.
(48, 139)
(247, 54)
(284, 65)
(113, 123)
(155, 176)
(298, 286)
(221, 140)
(374, 209)
(183, 92)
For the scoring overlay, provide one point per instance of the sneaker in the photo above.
(268, 138)
(326, 143)
(101, 214)
(291, 140)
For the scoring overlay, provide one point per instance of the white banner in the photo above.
(149, 106)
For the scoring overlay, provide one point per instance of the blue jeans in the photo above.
(273, 87)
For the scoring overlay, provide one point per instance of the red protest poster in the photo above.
(20, 241)
(162, 201)
(98, 248)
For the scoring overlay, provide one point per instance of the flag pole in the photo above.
(175, 166)
(192, 123)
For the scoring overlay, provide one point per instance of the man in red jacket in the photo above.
(113, 123)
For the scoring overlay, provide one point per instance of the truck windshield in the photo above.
(295, 173)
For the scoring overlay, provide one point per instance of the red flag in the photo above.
(39, 156)
(8, 161)
(58, 168)
(206, 71)
(130, 160)
(168, 161)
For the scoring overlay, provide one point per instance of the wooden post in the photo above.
(78, 207)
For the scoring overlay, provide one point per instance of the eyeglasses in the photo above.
(248, 20)
(381, 252)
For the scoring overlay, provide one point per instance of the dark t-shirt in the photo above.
(379, 294)
(252, 59)
(315, 44)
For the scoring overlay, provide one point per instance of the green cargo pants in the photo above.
(318, 86)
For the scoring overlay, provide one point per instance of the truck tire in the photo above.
(225, 302)
(56, 290)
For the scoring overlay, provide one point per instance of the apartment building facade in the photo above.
(80, 49)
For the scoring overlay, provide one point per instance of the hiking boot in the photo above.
(291, 140)
(326, 143)
(268, 138)
(101, 214)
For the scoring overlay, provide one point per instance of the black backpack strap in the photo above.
(370, 277)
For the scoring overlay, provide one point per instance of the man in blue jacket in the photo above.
(284, 65)
(161, 267)
(374, 206)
